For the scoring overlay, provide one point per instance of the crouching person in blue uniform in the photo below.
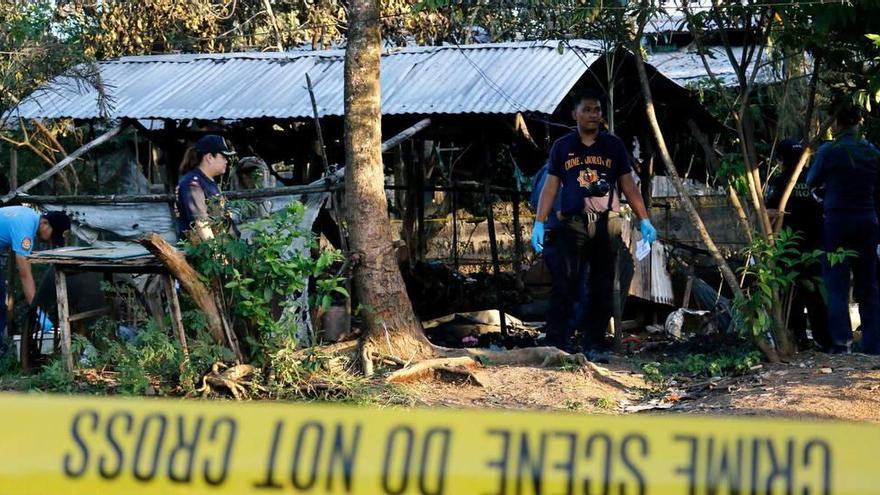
(204, 162)
(592, 167)
(20, 228)
(847, 168)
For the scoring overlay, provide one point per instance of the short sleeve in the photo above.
(622, 165)
(196, 203)
(22, 238)
(556, 166)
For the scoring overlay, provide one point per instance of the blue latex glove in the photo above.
(649, 233)
(538, 236)
(44, 322)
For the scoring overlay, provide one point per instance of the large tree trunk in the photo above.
(390, 325)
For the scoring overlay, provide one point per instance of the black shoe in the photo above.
(839, 349)
(597, 356)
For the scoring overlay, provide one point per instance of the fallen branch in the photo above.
(176, 263)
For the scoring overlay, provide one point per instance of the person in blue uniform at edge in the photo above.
(551, 258)
(804, 216)
(847, 168)
(593, 167)
(201, 164)
(20, 228)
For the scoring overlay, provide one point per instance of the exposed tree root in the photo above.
(458, 365)
(232, 379)
(464, 361)
(532, 356)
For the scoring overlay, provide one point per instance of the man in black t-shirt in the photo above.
(804, 216)
(593, 167)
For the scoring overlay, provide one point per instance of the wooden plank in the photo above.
(63, 317)
(89, 314)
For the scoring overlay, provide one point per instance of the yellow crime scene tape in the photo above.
(77, 445)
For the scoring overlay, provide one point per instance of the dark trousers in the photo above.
(859, 232)
(552, 260)
(810, 301)
(584, 249)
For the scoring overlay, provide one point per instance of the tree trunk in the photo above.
(390, 325)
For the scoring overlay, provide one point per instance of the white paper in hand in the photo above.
(642, 249)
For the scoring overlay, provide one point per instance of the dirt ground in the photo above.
(813, 385)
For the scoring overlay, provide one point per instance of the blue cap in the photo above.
(213, 144)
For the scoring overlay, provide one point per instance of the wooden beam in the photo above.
(63, 163)
(88, 314)
(405, 134)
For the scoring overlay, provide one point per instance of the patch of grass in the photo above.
(702, 365)
(569, 363)
(607, 403)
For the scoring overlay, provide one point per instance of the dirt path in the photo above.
(813, 386)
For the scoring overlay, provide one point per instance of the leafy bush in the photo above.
(258, 273)
(773, 268)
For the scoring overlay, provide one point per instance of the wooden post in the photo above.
(176, 316)
(63, 317)
(517, 238)
(13, 169)
(454, 194)
(419, 162)
(318, 127)
(493, 243)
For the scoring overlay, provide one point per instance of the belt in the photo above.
(589, 217)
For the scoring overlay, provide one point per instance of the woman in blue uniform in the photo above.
(202, 163)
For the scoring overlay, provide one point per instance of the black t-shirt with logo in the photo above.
(579, 166)
(803, 213)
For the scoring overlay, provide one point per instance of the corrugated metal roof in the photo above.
(686, 67)
(500, 78)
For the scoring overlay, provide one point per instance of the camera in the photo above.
(598, 189)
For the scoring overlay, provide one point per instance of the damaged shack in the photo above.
(465, 127)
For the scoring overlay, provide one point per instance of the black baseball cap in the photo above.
(788, 151)
(212, 143)
(60, 223)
